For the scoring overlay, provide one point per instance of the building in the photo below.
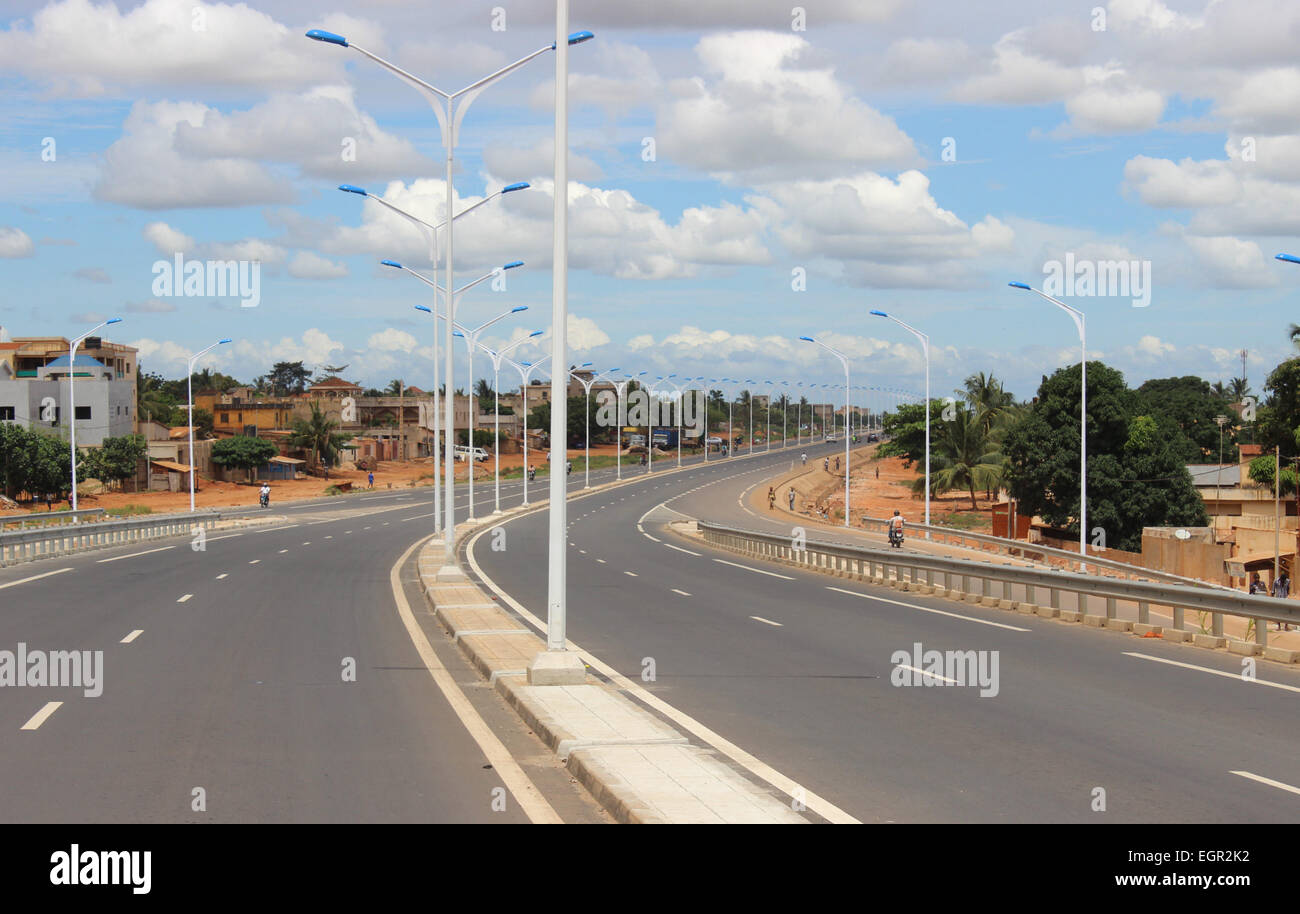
(235, 415)
(36, 377)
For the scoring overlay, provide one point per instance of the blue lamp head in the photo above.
(520, 308)
(577, 38)
(512, 264)
(807, 339)
(639, 373)
(518, 185)
(219, 342)
(458, 333)
(1289, 258)
(113, 320)
(585, 365)
(1019, 285)
(425, 308)
(353, 189)
(536, 333)
(327, 37)
(392, 263)
(879, 313)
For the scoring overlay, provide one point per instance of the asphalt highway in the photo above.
(797, 669)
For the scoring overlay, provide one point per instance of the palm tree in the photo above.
(483, 390)
(394, 388)
(1239, 389)
(318, 435)
(963, 455)
(1293, 332)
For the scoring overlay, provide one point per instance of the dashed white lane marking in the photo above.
(213, 539)
(771, 574)
(185, 599)
(927, 609)
(42, 715)
(347, 531)
(1206, 669)
(365, 528)
(682, 592)
(255, 561)
(131, 637)
(118, 558)
(222, 575)
(680, 549)
(767, 621)
(35, 577)
(330, 537)
(630, 574)
(602, 561)
(582, 551)
(1263, 780)
(416, 517)
(308, 543)
(283, 551)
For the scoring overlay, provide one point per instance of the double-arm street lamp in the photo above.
(449, 108)
(525, 369)
(1080, 323)
(430, 230)
(586, 409)
(845, 362)
(189, 388)
(497, 356)
(72, 400)
(620, 390)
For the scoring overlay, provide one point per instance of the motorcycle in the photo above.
(532, 474)
(568, 467)
(264, 500)
(895, 538)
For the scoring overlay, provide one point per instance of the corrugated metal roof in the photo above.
(1211, 474)
(171, 465)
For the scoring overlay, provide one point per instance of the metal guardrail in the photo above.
(967, 577)
(50, 518)
(1029, 551)
(19, 546)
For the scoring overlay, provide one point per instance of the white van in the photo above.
(464, 452)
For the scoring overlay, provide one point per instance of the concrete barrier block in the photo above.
(1214, 641)
(991, 602)
(1248, 648)
(1070, 615)
(1094, 621)
(1176, 634)
(1047, 612)
(1144, 628)
(971, 597)
(1281, 655)
(940, 591)
(1007, 604)
(1027, 609)
(1120, 625)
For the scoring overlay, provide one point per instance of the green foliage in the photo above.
(482, 437)
(34, 463)
(1278, 417)
(318, 436)
(114, 461)
(288, 378)
(242, 453)
(1191, 404)
(539, 417)
(963, 455)
(1136, 472)
(1263, 469)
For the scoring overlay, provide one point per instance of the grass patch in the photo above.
(965, 520)
(127, 510)
(333, 490)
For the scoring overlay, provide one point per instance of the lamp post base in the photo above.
(557, 668)
(450, 574)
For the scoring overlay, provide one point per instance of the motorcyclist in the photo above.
(896, 527)
(532, 473)
(568, 467)
(264, 496)
(803, 459)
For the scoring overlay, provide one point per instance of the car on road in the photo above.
(872, 437)
(713, 441)
(831, 439)
(464, 452)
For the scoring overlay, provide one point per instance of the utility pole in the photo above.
(1218, 498)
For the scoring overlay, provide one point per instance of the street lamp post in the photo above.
(449, 108)
(845, 362)
(525, 369)
(431, 232)
(189, 389)
(925, 351)
(1080, 323)
(497, 355)
(72, 401)
(586, 408)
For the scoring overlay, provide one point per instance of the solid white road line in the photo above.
(771, 574)
(525, 793)
(42, 715)
(904, 666)
(213, 539)
(818, 804)
(680, 549)
(927, 609)
(118, 558)
(35, 577)
(682, 592)
(1206, 669)
(1269, 781)
(222, 575)
(768, 621)
(185, 599)
(630, 574)
(131, 637)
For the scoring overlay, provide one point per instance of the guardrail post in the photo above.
(1144, 612)
(1110, 608)
(1178, 617)
(1055, 598)
(1083, 603)
(1216, 624)
(1261, 633)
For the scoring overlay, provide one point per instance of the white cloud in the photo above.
(392, 340)
(584, 334)
(763, 117)
(167, 239)
(14, 243)
(1233, 262)
(309, 265)
(151, 306)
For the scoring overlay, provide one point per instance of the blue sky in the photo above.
(216, 130)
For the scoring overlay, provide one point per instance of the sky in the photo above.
(741, 175)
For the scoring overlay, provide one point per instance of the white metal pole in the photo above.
(558, 509)
(473, 423)
(189, 392)
(1083, 443)
(523, 392)
(847, 512)
(449, 439)
(496, 433)
(72, 419)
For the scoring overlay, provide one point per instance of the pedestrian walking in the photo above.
(1256, 585)
(877, 472)
(837, 464)
(1282, 590)
(370, 480)
(771, 498)
(792, 498)
(826, 464)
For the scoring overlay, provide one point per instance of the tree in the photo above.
(317, 434)
(243, 453)
(540, 417)
(1264, 467)
(1136, 476)
(1190, 404)
(1278, 417)
(394, 388)
(51, 468)
(483, 391)
(288, 378)
(114, 461)
(963, 455)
